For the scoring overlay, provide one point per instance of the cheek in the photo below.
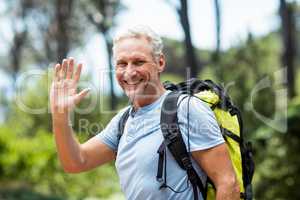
(119, 76)
(145, 73)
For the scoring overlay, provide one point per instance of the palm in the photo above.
(63, 94)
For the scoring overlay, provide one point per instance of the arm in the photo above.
(207, 146)
(217, 165)
(74, 157)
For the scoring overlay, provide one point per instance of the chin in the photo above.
(135, 96)
(131, 94)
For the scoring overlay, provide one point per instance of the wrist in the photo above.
(61, 123)
(60, 117)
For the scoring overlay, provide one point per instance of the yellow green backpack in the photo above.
(230, 121)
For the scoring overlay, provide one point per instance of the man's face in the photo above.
(136, 69)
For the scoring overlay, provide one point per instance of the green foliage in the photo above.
(33, 162)
(28, 158)
(276, 153)
(278, 164)
(242, 68)
(24, 194)
(29, 110)
(171, 77)
(174, 53)
(29, 166)
(175, 57)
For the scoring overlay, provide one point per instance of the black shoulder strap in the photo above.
(122, 123)
(174, 141)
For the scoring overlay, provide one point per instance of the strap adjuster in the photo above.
(186, 161)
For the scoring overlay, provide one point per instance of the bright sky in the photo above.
(238, 18)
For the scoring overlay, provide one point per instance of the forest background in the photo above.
(259, 67)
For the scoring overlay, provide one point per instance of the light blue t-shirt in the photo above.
(137, 157)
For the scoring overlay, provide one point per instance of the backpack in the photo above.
(228, 118)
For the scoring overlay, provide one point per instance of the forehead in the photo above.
(132, 47)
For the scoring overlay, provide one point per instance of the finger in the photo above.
(77, 73)
(57, 68)
(70, 68)
(81, 95)
(64, 69)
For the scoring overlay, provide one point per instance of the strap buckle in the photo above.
(186, 161)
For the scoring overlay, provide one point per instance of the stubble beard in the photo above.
(137, 94)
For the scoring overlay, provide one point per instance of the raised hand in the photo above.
(63, 92)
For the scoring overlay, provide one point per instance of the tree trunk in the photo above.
(191, 58)
(62, 18)
(19, 39)
(288, 30)
(218, 30)
(104, 8)
(113, 102)
(216, 55)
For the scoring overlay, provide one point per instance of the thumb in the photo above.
(81, 95)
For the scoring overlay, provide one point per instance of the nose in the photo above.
(130, 71)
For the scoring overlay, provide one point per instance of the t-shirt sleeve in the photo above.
(109, 135)
(204, 131)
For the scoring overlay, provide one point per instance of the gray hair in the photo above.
(142, 31)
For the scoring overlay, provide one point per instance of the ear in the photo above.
(161, 63)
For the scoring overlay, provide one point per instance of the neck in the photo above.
(149, 98)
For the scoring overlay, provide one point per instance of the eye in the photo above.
(121, 64)
(139, 62)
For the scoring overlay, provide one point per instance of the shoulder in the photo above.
(119, 115)
(192, 105)
(109, 135)
(193, 110)
(198, 124)
(188, 103)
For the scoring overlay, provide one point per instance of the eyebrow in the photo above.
(120, 60)
(133, 57)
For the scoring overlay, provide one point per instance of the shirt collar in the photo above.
(148, 107)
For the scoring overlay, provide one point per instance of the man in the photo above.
(139, 61)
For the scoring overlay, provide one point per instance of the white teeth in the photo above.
(132, 83)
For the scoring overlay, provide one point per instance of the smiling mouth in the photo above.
(133, 83)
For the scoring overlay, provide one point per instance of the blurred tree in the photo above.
(30, 110)
(41, 32)
(288, 30)
(63, 14)
(16, 52)
(278, 164)
(59, 30)
(297, 20)
(259, 58)
(31, 163)
(193, 66)
(23, 160)
(102, 15)
(18, 11)
(28, 157)
(44, 32)
(216, 54)
(174, 52)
